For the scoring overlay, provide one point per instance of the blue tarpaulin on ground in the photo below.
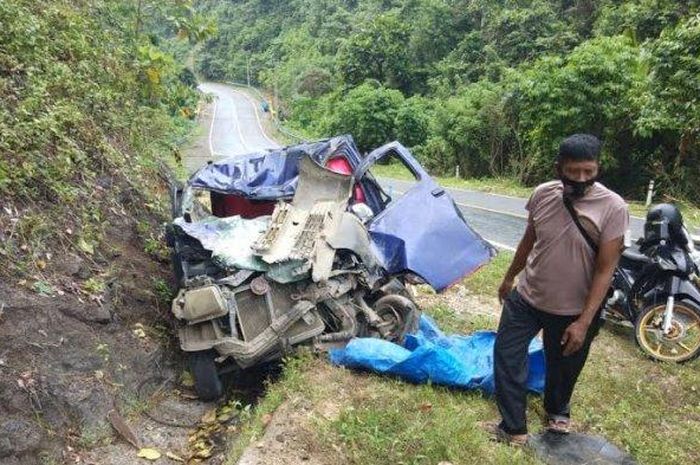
(429, 355)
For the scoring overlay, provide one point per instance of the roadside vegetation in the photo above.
(489, 86)
(94, 106)
(652, 410)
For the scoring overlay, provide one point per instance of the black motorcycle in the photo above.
(656, 289)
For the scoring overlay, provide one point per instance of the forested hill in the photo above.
(491, 85)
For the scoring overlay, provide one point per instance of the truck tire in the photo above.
(207, 383)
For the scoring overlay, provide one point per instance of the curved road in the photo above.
(236, 129)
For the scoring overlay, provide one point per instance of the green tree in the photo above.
(522, 33)
(377, 50)
(590, 90)
(368, 112)
(412, 121)
(670, 113)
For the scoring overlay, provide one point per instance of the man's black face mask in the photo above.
(575, 189)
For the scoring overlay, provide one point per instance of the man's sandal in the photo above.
(497, 434)
(558, 424)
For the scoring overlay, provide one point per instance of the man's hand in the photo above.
(574, 337)
(504, 289)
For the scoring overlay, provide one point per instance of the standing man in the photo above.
(564, 281)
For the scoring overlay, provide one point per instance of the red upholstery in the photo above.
(342, 166)
(223, 205)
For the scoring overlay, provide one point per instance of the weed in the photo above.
(94, 286)
(43, 287)
(133, 406)
(103, 351)
(163, 291)
(98, 435)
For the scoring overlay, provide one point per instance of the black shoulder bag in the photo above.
(570, 208)
(598, 319)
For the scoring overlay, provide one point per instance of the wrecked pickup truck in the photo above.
(302, 245)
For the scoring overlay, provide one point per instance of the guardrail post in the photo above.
(650, 193)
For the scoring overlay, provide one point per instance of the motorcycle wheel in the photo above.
(682, 344)
(207, 383)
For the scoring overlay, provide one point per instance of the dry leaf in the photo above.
(148, 454)
(123, 429)
(266, 419)
(426, 407)
(209, 416)
(203, 453)
(172, 456)
(186, 379)
(41, 264)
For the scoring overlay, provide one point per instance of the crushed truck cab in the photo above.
(302, 245)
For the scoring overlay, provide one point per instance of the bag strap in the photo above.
(570, 208)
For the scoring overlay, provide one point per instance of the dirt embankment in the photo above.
(92, 335)
(67, 358)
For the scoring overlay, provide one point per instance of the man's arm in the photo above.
(519, 261)
(605, 263)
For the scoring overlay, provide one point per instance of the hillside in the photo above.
(93, 107)
(490, 86)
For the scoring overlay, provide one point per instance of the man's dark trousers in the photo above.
(520, 322)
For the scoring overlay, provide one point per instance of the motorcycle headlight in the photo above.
(665, 264)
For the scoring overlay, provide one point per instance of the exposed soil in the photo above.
(69, 357)
(67, 360)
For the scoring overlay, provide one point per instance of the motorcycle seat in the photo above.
(635, 255)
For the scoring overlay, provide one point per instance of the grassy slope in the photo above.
(650, 409)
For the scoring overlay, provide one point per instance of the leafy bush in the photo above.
(471, 130)
(368, 112)
(88, 105)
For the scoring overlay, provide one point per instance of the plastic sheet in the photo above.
(578, 448)
(269, 175)
(464, 362)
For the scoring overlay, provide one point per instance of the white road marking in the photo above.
(211, 128)
(500, 245)
(238, 127)
(490, 210)
(257, 117)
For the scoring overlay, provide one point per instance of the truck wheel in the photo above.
(207, 383)
(400, 314)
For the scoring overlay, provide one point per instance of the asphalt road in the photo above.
(236, 129)
(236, 124)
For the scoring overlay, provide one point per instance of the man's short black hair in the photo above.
(579, 147)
